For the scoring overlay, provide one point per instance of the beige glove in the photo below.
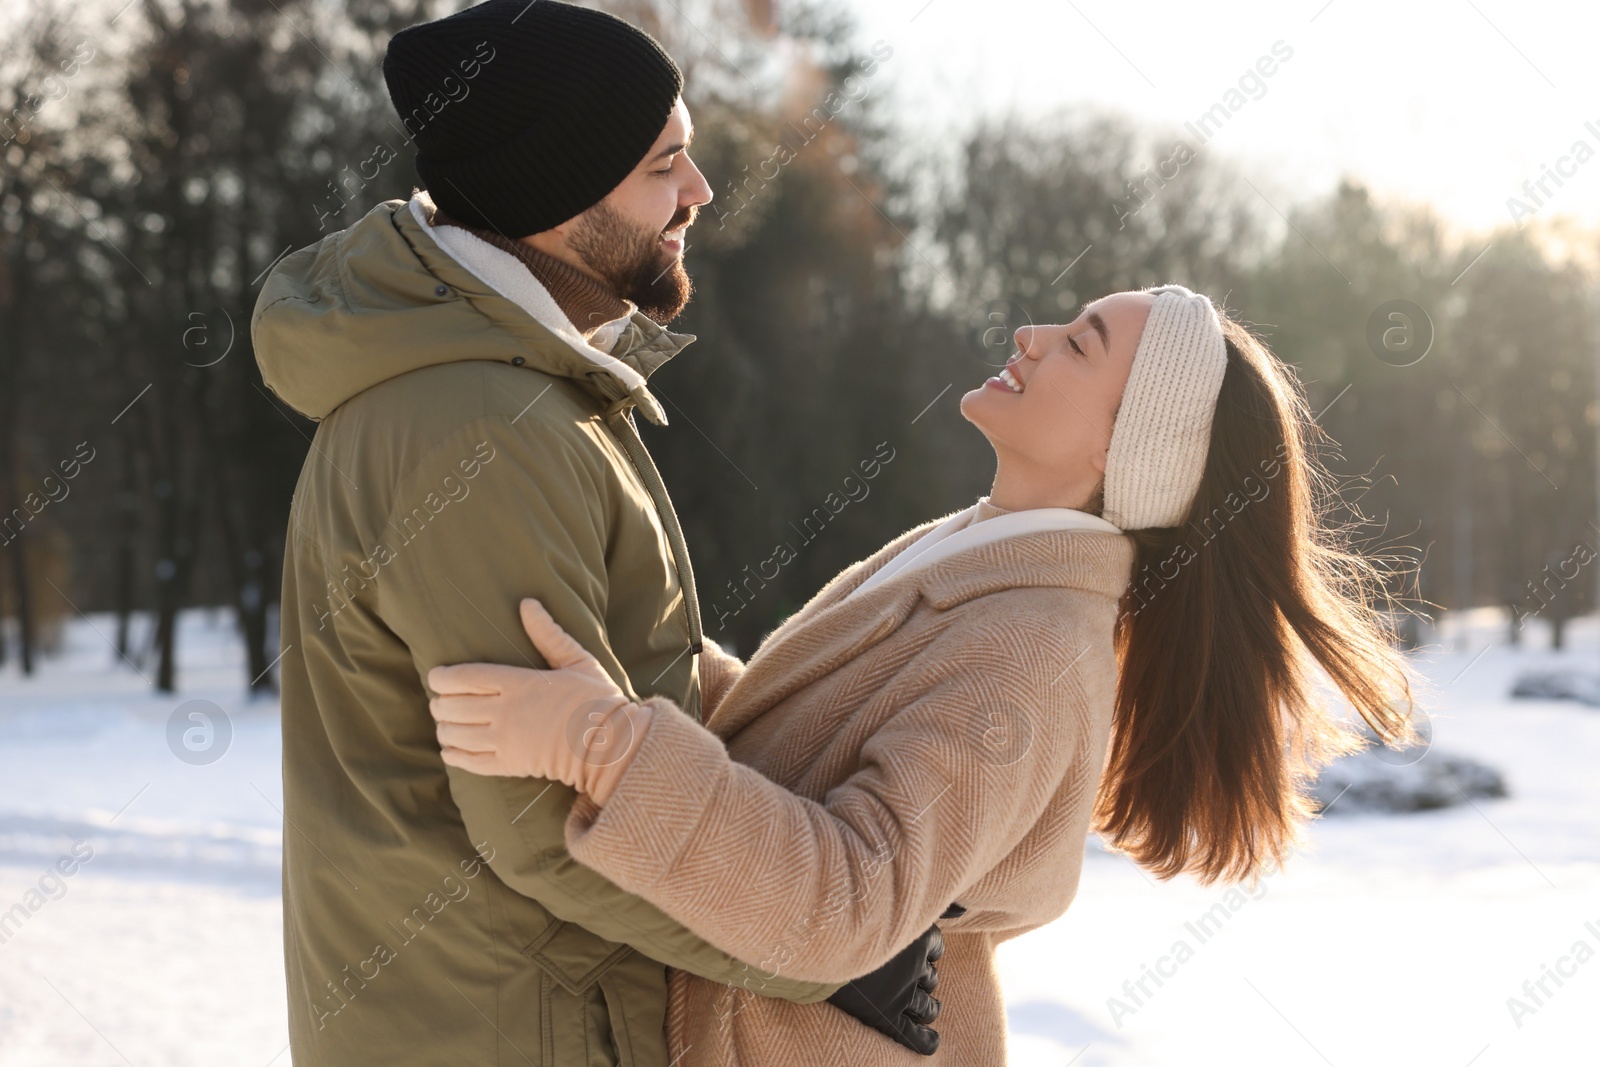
(570, 724)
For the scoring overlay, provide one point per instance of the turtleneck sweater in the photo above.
(586, 301)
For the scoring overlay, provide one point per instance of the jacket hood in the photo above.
(382, 298)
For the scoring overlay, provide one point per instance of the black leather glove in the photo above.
(897, 999)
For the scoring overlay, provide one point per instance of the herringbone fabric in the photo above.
(937, 738)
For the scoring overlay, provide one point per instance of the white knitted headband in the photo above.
(1163, 428)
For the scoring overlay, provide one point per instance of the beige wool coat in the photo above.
(938, 737)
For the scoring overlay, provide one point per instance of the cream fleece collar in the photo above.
(835, 626)
(962, 532)
(512, 279)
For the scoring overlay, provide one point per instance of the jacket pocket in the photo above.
(612, 1001)
(636, 1002)
(573, 956)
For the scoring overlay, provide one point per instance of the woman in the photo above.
(1116, 633)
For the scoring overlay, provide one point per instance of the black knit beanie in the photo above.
(527, 112)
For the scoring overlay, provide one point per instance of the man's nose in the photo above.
(696, 191)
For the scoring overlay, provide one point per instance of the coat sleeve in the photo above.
(534, 524)
(946, 788)
(719, 670)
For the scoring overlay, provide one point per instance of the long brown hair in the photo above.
(1217, 728)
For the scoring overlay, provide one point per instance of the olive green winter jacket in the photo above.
(468, 455)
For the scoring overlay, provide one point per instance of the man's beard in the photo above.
(632, 261)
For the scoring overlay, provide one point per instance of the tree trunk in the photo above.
(126, 561)
(174, 566)
(19, 577)
(13, 296)
(15, 544)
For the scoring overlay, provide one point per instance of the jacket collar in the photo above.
(585, 300)
(502, 287)
(836, 627)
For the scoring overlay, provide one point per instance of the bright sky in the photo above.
(1457, 102)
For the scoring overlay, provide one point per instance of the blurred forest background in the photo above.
(159, 157)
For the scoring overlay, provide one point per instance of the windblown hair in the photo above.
(1218, 727)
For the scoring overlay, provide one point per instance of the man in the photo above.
(475, 356)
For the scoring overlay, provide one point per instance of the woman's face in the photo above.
(1051, 409)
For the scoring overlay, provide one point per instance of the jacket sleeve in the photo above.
(531, 523)
(946, 788)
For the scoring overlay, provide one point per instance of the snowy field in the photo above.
(1392, 939)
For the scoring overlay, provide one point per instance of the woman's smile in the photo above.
(1007, 380)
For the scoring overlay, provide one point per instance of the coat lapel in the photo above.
(1089, 560)
(807, 648)
(835, 627)
(843, 584)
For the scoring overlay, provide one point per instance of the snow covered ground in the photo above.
(1392, 939)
